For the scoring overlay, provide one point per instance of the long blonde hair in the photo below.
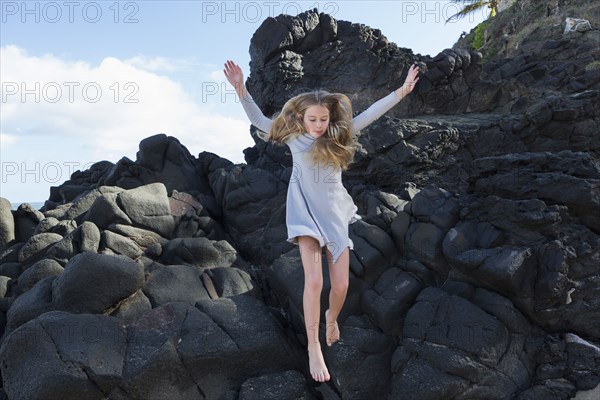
(336, 145)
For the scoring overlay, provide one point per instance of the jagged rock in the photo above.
(449, 340)
(286, 279)
(299, 57)
(80, 183)
(377, 207)
(26, 220)
(424, 243)
(547, 176)
(548, 284)
(162, 159)
(277, 386)
(390, 299)
(254, 342)
(365, 352)
(253, 207)
(374, 251)
(477, 250)
(73, 356)
(583, 360)
(153, 363)
(239, 329)
(434, 205)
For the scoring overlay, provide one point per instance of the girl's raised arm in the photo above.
(235, 76)
(381, 106)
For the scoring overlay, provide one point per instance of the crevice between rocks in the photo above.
(179, 334)
(66, 362)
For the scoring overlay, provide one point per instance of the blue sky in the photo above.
(84, 81)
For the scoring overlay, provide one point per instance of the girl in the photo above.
(318, 126)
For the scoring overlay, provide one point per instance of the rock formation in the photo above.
(475, 272)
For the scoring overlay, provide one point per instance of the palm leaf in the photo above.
(474, 6)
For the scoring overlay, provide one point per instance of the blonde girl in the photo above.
(317, 127)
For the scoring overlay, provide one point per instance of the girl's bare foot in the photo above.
(318, 369)
(332, 331)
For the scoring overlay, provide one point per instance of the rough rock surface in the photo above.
(475, 272)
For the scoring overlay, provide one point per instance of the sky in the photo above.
(86, 81)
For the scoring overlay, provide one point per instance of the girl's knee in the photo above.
(313, 282)
(339, 286)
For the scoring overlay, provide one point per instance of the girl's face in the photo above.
(316, 120)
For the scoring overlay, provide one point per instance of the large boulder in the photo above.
(449, 340)
(78, 357)
(204, 352)
(40, 270)
(26, 220)
(7, 223)
(94, 283)
(148, 207)
(36, 246)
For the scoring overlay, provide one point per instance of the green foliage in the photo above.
(593, 66)
(479, 35)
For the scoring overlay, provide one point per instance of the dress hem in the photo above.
(350, 245)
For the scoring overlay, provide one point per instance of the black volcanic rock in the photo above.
(7, 223)
(75, 356)
(474, 272)
(312, 50)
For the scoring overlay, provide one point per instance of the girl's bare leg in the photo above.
(339, 274)
(310, 253)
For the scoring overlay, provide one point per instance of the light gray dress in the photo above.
(317, 204)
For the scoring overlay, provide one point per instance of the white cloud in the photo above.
(110, 107)
(217, 75)
(158, 64)
(7, 140)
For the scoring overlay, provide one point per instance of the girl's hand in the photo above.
(410, 82)
(411, 78)
(235, 76)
